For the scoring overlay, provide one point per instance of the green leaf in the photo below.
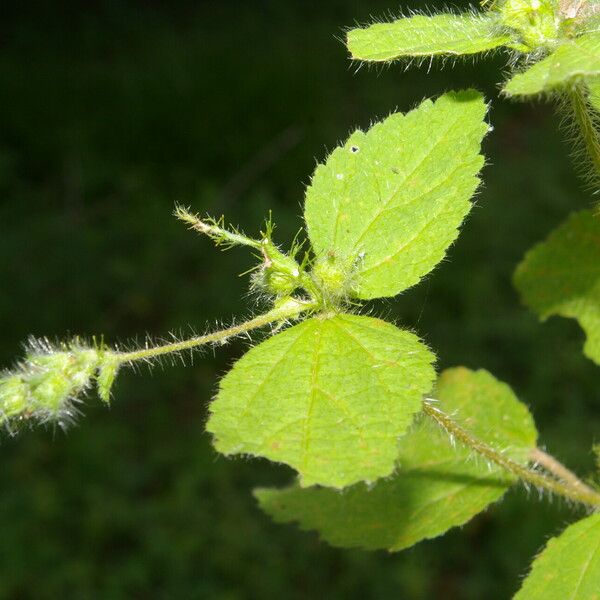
(421, 35)
(390, 201)
(572, 61)
(330, 397)
(438, 485)
(594, 87)
(561, 276)
(588, 18)
(569, 566)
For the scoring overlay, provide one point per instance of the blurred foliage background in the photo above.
(113, 111)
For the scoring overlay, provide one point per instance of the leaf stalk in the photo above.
(289, 309)
(556, 468)
(587, 125)
(567, 489)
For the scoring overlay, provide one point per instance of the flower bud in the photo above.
(47, 383)
(13, 397)
(279, 274)
(55, 379)
(333, 277)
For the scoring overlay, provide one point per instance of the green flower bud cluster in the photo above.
(537, 21)
(48, 382)
(334, 278)
(330, 282)
(279, 274)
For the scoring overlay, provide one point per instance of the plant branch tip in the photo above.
(216, 230)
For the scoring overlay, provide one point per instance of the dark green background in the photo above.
(113, 111)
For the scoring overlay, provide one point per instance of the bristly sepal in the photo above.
(50, 381)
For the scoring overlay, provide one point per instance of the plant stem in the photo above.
(562, 488)
(290, 309)
(220, 235)
(587, 126)
(558, 469)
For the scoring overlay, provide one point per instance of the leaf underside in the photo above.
(437, 486)
(570, 63)
(421, 35)
(330, 397)
(569, 566)
(391, 200)
(561, 276)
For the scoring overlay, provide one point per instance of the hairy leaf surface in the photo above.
(421, 35)
(561, 276)
(569, 566)
(572, 61)
(329, 397)
(594, 87)
(390, 201)
(437, 486)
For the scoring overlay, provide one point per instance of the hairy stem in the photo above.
(214, 230)
(558, 469)
(290, 309)
(587, 125)
(561, 488)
